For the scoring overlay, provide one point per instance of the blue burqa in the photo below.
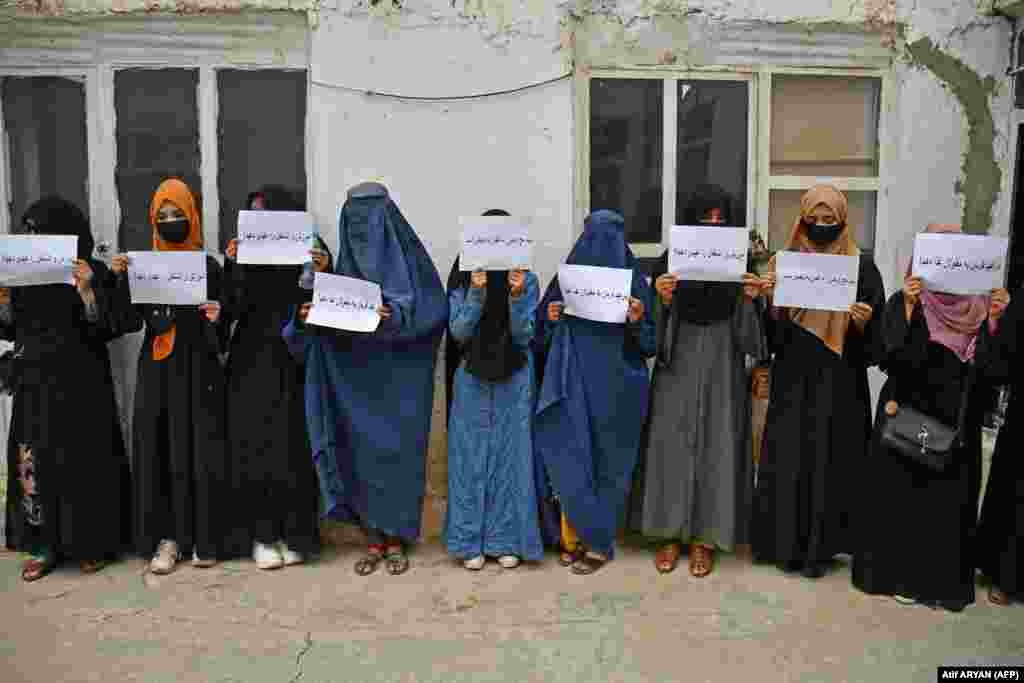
(369, 396)
(593, 398)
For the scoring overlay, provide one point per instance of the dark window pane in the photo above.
(262, 133)
(157, 138)
(626, 149)
(45, 122)
(712, 147)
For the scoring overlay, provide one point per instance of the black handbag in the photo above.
(925, 439)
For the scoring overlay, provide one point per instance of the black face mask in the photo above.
(174, 231)
(823, 234)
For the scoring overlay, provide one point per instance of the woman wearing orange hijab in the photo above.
(819, 419)
(178, 428)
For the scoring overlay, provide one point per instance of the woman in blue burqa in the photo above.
(593, 400)
(369, 395)
(492, 497)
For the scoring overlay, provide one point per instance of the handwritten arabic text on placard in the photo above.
(495, 243)
(274, 237)
(169, 278)
(960, 264)
(37, 259)
(596, 293)
(825, 282)
(345, 303)
(714, 254)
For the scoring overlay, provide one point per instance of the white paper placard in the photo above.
(960, 264)
(495, 243)
(172, 278)
(596, 293)
(37, 260)
(712, 254)
(825, 282)
(281, 238)
(345, 303)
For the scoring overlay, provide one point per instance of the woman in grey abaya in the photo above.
(695, 473)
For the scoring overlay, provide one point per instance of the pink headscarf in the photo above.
(953, 319)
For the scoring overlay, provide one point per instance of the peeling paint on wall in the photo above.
(981, 177)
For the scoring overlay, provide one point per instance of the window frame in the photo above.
(80, 74)
(145, 49)
(760, 182)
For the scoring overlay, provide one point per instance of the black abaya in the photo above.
(64, 408)
(179, 473)
(918, 523)
(273, 480)
(815, 439)
(1001, 533)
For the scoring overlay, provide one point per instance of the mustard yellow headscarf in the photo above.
(829, 326)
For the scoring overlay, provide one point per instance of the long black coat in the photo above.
(178, 445)
(64, 407)
(816, 438)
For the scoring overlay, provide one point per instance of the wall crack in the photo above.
(306, 647)
(980, 175)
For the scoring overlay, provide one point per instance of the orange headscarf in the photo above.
(829, 326)
(176, 192)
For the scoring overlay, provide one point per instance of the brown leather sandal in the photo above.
(567, 557)
(92, 566)
(702, 561)
(368, 563)
(36, 568)
(396, 561)
(998, 597)
(588, 564)
(667, 557)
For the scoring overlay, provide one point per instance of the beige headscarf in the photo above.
(829, 326)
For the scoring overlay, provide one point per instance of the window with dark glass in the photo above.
(261, 138)
(626, 152)
(44, 119)
(712, 119)
(157, 138)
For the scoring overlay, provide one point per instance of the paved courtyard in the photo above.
(321, 623)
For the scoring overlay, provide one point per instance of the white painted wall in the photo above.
(441, 160)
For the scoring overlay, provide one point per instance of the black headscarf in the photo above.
(49, 304)
(56, 216)
(703, 303)
(490, 354)
(276, 283)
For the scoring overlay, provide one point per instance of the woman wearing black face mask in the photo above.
(819, 419)
(67, 497)
(178, 429)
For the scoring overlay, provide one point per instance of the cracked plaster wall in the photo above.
(946, 136)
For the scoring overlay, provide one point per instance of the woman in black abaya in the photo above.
(67, 469)
(274, 485)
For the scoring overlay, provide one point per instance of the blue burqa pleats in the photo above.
(593, 398)
(369, 396)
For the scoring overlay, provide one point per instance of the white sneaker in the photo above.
(475, 564)
(200, 563)
(508, 561)
(166, 557)
(289, 556)
(267, 556)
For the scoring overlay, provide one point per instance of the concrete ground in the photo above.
(322, 623)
